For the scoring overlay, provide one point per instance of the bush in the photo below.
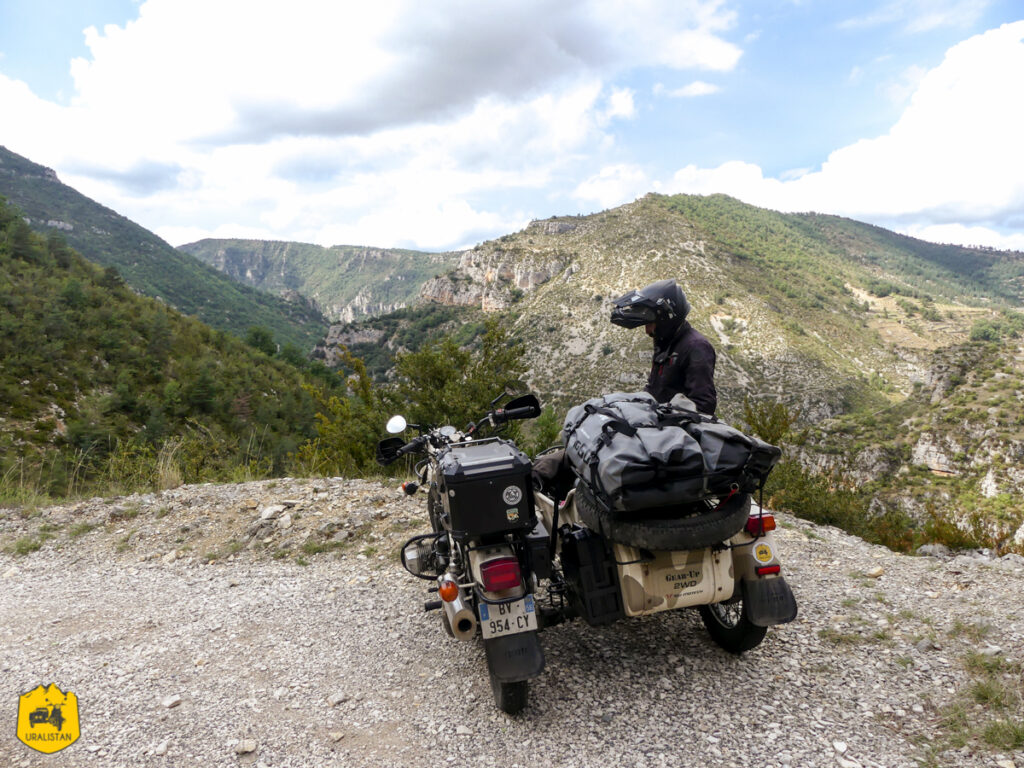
(442, 383)
(771, 421)
(832, 500)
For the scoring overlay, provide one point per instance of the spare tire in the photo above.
(687, 526)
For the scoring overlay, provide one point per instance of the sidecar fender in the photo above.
(768, 601)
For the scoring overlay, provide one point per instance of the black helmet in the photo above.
(662, 303)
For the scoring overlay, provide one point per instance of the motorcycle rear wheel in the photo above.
(729, 627)
(510, 698)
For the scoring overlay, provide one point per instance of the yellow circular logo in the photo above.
(763, 553)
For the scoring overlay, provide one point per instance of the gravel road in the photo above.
(243, 659)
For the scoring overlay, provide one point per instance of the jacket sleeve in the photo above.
(698, 376)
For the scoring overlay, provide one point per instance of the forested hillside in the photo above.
(100, 384)
(149, 265)
(344, 282)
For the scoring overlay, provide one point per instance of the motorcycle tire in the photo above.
(729, 627)
(510, 698)
(663, 532)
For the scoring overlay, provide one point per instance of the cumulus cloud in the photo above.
(338, 69)
(405, 123)
(954, 156)
(613, 185)
(142, 178)
(921, 15)
(696, 88)
(971, 236)
(620, 104)
(320, 120)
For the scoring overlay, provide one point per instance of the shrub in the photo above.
(771, 421)
(833, 500)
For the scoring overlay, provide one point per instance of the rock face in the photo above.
(345, 283)
(365, 303)
(492, 278)
(497, 274)
(936, 453)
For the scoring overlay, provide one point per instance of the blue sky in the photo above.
(437, 125)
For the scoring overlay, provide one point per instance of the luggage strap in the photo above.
(676, 417)
(617, 424)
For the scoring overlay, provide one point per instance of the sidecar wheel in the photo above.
(728, 625)
(509, 697)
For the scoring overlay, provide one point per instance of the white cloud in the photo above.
(322, 121)
(954, 157)
(696, 88)
(620, 104)
(613, 185)
(920, 15)
(971, 236)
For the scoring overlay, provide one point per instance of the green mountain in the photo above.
(344, 282)
(831, 315)
(148, 264)
(901, 359)
(101, 387)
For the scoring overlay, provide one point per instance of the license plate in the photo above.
(501, 619)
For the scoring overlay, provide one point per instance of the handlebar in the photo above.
(527, 412)
(391, 449)
(412, 446)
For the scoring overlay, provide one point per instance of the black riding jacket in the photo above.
(684, 363)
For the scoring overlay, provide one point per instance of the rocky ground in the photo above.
(269, 624)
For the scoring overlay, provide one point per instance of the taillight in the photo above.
(501, 573)
(764, 570)
(759, 525)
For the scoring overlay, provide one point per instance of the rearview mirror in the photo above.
(396, 424)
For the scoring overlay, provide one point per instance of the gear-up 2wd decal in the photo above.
(763, 553)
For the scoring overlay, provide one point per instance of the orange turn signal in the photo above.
(448, 590)
(760, 524)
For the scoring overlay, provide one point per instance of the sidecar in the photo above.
(652, 563)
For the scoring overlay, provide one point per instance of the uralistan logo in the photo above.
(48, 718)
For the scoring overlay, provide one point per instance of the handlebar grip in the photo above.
(412, 445)
(527, 412)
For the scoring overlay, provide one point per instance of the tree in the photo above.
(262, 339)
(293, 355)
(445, 384)
(348, 426)
(441, 383)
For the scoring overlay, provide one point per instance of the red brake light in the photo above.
(764, 570)
(501, 573)
(759, 525)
